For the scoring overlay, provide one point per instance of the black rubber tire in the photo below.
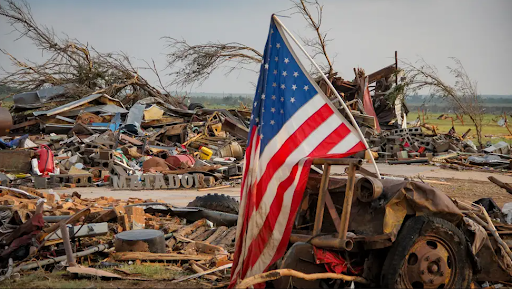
(216, 202)
(407, 237)
(195, 105)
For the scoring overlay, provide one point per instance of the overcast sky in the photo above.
(365, 33)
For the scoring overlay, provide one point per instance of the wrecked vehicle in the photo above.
(391, 233)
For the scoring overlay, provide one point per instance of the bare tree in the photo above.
(70, 61)
(195, 63)
(462, 95)
(318, 44)
(190, 64)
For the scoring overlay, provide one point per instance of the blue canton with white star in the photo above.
(282, 88)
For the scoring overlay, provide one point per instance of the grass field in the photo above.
(491, 130)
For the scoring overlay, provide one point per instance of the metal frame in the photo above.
(341, 242)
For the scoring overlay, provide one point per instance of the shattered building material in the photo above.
(36, 99)
(103, 98)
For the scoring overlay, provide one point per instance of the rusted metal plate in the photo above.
(384, 72)
(334, 183)
(235, 129)
(5, 121)
(25, 124)
(15, 161)
(175, 129)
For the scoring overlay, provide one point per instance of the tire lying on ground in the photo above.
(216, 202)
(429, 252)
(195, 105)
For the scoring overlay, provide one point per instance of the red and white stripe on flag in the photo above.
(276, 172)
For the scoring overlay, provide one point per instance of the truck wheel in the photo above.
(216, 202)
(428, 253)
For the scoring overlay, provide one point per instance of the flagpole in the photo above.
(354, 123)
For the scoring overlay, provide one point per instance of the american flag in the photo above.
(292, 122)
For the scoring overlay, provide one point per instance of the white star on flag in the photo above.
(272, 122)
(285, 73)
(306, 87)
(282, 111)
(283, 86)
(282, 98)
(295, 74)
(262, 96)
(278, 45)
(292, 100)
(255, 104)
(273, 97)
(276, 59)
(286, 60)
(275, 71)
(273, 110)
(274, 84)
(266, 66)
(294, 87)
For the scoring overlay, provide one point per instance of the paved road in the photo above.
(179, 197)
(427, 171)
(182, 197)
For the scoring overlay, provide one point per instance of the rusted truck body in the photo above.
(393, 233)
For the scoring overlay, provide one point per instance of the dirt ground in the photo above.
(161, 277)
(467, 186)
(469, 190)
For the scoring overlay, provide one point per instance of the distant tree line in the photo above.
(6, 90)
(228, 101)
(428, 100)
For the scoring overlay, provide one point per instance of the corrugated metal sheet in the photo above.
(77, 103)
(34, 99)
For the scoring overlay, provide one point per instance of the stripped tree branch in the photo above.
(463, 95)
(70, 61)
(276, 274)
(319, 43)
(191, 64)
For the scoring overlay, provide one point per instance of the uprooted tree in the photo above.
(462, 95)
(194, 63)
(70, 61)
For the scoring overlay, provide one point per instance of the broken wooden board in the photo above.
(203, 273)
(93, 272)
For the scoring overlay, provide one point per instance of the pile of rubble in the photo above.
(97, 141)
(47, 229)
(413, 145)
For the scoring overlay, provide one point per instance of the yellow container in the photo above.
(205, 153)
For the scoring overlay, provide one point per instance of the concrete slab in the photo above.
(428, 171)
(177, 197)
(395, 170)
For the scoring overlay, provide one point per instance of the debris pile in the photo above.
(413, 145)
(48, 229)
(98, 140)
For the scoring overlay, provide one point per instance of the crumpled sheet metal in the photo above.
(480, 235)
(494, 263)
(418, 199)
(399, 198)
